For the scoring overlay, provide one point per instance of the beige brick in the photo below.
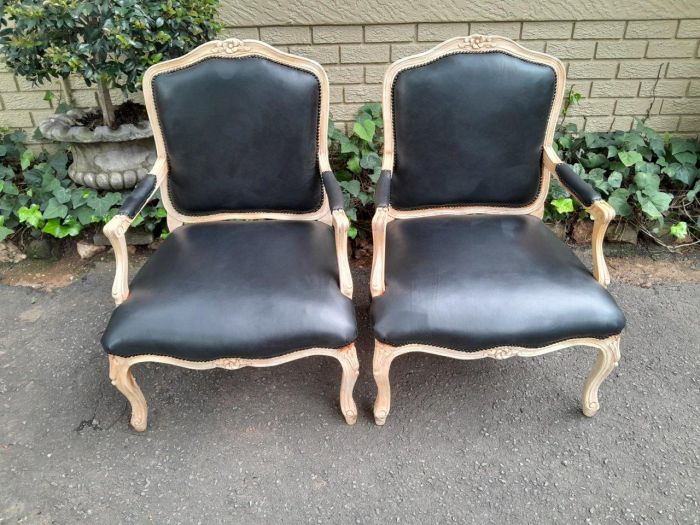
(546, 30)
(592, 69)
(680, 106)
(690, 123)
(335, 94)
(663, 88)
(592, 106)
(651, 29)
(623, 123)
(672, 48)
(684, 69)
(694, 88)
(39, 115)
(507, 29)
(285, 35)
(7, 82)
(345, 74)
(390, 33)
(50, 85)
(534, 45)
(440, 32)
(240, 32)
(637, 106)
(621, 49)
(78, 82)
(662, 123)
(689, 28)
(615, 88)
(363, 93)
(337, 34)
(374, 74)
(403, 50)
(567, 49)
(323, 54)
(344, 112)
(579, 86)
(579, 121)
(25, 101)
(84, 98)
(367, 54)
(641, 69)
(599, 29)
(16, 119)
(599, 123)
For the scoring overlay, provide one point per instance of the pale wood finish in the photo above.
(608, 359)
(602, 213)
(116, 228)
(120, 374)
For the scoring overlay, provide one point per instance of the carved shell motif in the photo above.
(476, 42)
(230, 46)
(503, 352)
(230, 363)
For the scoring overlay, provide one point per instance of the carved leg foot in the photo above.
(351, 370)
(122, 378)
(608, 359)
(383, 356)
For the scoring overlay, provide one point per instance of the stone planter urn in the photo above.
(103, 158)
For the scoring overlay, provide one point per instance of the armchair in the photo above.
(255, 270)
(463, 266)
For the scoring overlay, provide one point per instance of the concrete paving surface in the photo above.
(478, 442)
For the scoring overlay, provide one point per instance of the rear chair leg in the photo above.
(351, 370)
(122, 378)
(608, 359)
(383, 356)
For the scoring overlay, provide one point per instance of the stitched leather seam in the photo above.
(470, 205)
(318, 144)
(481, 349)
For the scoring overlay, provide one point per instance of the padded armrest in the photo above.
(383, 189)
(575, 185)
(335, 195)
(139, 196)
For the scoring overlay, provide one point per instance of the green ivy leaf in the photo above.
(680, 230)
(364, 130)
(60, 229)
(370, 161)
(654, 203)
(615, 179)
(354, 164)
(629, 158)
(686, 157)
(4, 231)
(648, 182)
(352, 232)
(55, 210)
(352, 187)
(563, 206)
(26, 159)
(31, 215)
(618, 200)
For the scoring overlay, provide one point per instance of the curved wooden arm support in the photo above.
(379, 221)
(341, 225)
(115, 230)
(601, 213)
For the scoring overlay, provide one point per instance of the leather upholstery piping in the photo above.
(474, 204)
(167, 159)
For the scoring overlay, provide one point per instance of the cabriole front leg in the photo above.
(351, 370)
(608, 359)
(123, 379)
(383, 356)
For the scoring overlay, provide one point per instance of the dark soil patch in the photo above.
(127, 113)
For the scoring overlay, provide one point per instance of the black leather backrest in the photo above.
(241, 134)
(469, 129)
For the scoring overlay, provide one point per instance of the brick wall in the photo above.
(624, 69)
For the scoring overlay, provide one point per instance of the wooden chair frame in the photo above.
(601, 212)
(115, 230)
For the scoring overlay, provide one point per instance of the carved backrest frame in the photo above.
(235, 48)
(472, 44)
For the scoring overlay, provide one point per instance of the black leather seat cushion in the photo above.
(477, 282)
(235, 289)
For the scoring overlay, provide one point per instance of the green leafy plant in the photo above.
(356, 162)
(110, 43)
(650, 179)
(37, 196)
